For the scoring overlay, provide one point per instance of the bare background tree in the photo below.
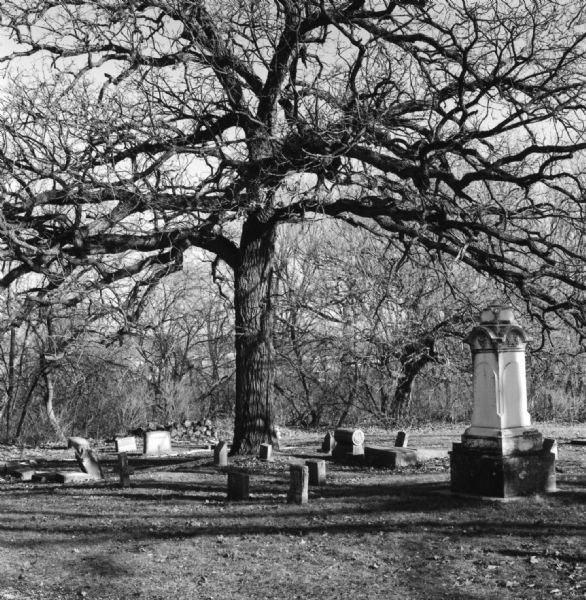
(147, 128)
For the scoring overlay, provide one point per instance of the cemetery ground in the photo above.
(368, 533)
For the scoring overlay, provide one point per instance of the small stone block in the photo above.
(266, 452)
(329, 443)
(401, 439)
(126, 444)
(317, 471)
(238, 485)
(123, 469)
(342, 450)
(72, 477)
(157, 442)
(221, 454)
(44, 477)
(390, 457)
(298, 484)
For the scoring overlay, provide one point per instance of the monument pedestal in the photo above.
(503, 466)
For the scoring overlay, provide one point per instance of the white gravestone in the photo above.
(157, 442)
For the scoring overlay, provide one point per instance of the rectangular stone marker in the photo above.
(123, 469)
(266, 452)
(299, 484)
(157, 442)
(221, 454)
(238, 485)
(126, 444)
(317, 471)
(329, 443)
(401, 439)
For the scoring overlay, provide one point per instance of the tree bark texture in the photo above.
(253, 283)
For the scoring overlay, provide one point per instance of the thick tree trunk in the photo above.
(253, 281)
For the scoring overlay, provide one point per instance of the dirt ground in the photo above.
(368, 533)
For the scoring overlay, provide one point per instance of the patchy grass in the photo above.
(369, 533)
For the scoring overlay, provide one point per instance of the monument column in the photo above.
(501, 454)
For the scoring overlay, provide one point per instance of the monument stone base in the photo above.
(486, 471)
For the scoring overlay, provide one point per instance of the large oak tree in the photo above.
(133, 130)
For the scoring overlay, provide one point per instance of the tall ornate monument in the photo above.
(500, 454)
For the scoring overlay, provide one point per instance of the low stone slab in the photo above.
(424, 454)
(578, 442)
(389, 457)
(45, 477)
(157, 442)
(126, 444)
(22, 473)
(73, 477)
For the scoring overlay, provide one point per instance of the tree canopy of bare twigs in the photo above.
(133, 130)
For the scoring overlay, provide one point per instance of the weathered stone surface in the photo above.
(221, 454)
(126, 444)
(157, 443)
(485, 474)
(298, 484)
(329, 443)
(376, 456)
(266, 452)
(238, 485)
(401, 439)
(317, 471)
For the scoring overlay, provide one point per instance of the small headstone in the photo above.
(221, 454)
(157, 442)
(123, 469)
(317, 471)
(88, 463)
(238, 485)
(126, 444)
(329, 443)
(401, 439)
(299, 484)
(266, 452)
